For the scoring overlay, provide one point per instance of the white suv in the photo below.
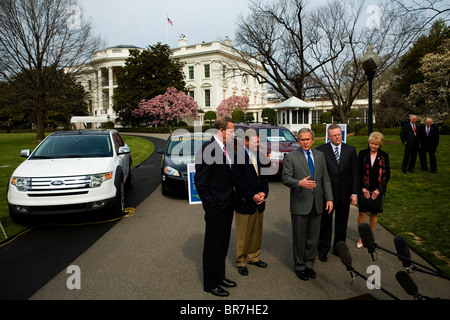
(71, 171)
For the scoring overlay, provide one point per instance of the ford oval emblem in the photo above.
(57, 183)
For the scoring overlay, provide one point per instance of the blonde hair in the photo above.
(377, 137)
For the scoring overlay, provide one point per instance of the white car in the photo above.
(71, 171)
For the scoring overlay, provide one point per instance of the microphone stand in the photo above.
(351, 270)
(430, 271)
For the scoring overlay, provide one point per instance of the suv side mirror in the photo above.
(124, 150)
(25, 153)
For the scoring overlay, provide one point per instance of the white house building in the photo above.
(210, 75)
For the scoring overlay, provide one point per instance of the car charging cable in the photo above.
(128, 212)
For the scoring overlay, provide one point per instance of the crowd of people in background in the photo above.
(323, 181)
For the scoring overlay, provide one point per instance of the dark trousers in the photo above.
(423, 158)
(217, 240)
(340, 212)
(409, 158)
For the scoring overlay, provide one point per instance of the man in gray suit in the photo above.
(305, 173)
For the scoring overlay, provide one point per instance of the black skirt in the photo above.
(370, 205)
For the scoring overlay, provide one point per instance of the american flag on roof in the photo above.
(169, 21)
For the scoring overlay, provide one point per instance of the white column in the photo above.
(99, 106)
(111, 90)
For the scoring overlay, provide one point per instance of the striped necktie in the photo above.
(336, 154)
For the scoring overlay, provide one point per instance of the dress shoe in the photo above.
(259, 263)
(219, 292)
(243, 270)
(302, 275)
(323, 257)
(310, 273)
(228, 283)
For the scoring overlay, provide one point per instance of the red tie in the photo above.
(414, 127)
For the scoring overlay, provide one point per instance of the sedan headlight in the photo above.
(20, 183)
(171, 171)
(98, 179)
(275, 155)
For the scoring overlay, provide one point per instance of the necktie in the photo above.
(310, 164)
(414, 127)
(224, 150)
(336, 154)
(254, 163)
(428, 131)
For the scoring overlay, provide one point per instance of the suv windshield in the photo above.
(74, 146)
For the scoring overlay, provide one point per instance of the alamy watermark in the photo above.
(373, 22)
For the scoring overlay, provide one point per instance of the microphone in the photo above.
(344, 254)
(409, 285)
(368, 240)
(403, 251)
(346, 259)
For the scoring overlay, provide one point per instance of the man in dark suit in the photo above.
(342, 164)
(410, 139)
(429, 141)
(305, 173)
(251, 191)
(214, 183)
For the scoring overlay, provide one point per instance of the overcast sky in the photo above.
(144, 22)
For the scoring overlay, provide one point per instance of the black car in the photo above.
(179, 151)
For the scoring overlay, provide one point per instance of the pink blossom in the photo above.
(171, 105)
(228, 105)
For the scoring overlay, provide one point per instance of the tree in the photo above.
(38, 38)
(270, 114)
(166, 108)
(227, 106)
(210, 116)
(64, 100)
(307, 52)
(146, 75)
(435, 88)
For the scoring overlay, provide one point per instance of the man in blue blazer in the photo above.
(305, 173)
(214, 183)
(251, 191)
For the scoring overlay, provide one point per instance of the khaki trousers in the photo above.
(248, 237)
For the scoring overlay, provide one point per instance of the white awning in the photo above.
(293, 103)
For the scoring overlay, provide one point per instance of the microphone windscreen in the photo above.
(407, 283)
(344, 254)
(402, 250)
(366, 234)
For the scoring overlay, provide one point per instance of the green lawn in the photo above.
(11, 145)
(416, 203)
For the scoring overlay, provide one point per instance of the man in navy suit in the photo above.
(429, 141)
(342, 164)
(410, 139)
(251, 191)
(214, 183)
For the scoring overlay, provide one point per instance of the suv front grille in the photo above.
(56, 184)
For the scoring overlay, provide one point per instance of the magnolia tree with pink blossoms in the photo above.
(228, 105)
(170, 106)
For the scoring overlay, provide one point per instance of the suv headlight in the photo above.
(20, 183)
(171, 171)
(275, 155)
(98, 179)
